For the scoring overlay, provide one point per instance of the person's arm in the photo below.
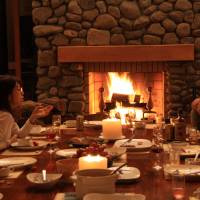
(38, 112)
(6, 123)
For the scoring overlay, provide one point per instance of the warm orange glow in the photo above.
(120, 84)
(92, 162)
(135, 114)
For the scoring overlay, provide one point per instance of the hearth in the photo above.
(129, 88)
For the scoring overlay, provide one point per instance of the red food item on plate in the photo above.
(35, 143)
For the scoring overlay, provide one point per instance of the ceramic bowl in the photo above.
(37, 181)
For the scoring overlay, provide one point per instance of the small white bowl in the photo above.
(36, 179)
(4, 171)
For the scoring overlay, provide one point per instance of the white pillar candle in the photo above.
(92, 162)
(112, 129)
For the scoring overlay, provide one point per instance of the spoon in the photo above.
(118, 168)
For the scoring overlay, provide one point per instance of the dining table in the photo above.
(151, 182)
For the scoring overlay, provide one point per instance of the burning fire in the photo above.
(121, 84)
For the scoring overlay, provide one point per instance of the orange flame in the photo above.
(120, 84)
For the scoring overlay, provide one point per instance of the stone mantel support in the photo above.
(126, 53)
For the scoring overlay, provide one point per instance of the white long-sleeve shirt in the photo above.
(8, 128)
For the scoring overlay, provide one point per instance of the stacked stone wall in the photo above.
(114, 22)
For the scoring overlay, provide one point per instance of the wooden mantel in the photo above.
(126, 53)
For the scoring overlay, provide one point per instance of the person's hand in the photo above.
(39, 112)
(196, 105)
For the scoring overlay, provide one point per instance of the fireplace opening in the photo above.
(131, 86)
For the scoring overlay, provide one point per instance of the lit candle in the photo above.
(112, 129)
(92, 162)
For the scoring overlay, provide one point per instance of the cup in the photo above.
(178, 185)
(95, 181)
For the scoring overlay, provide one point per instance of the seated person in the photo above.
(11, 100)
(195, 113)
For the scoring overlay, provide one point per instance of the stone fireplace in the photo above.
(63, 71)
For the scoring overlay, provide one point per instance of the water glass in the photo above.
(178, 185)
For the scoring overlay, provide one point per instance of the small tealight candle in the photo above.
(112, 129)
(44, 175)
(92, 162)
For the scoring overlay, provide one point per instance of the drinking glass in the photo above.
(178, 185)
(157, 147)
(51, 134)
(56, 122)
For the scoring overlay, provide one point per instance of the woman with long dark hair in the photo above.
(11, 98)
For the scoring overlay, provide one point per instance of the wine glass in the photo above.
(157, 147)
(56, 122)
(51, 134)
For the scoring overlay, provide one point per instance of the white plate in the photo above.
(115, 196)
(40, 145)
(101, 137)
(17, 162)
(66, 152)
(36, 179)
(183, 169)
(92, 124)
(127, 174)
(190, 150)
(37, 130)
(134, 144)
(116, 151)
